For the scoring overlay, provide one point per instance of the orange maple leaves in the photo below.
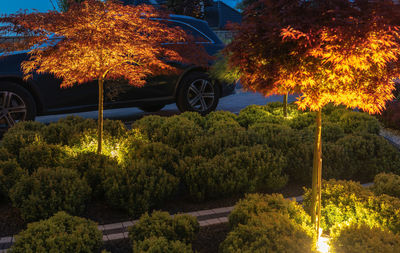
(345, 52)
(95, 39)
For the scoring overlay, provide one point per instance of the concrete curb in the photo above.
(119, 230)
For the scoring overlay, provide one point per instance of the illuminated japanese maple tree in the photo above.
(332, 51)
(98, 41)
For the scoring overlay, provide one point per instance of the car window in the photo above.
(198, 35)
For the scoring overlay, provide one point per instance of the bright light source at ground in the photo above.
(323, 243)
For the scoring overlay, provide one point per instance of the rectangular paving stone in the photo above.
(205, 212)
(118, 236)
(100, 227)
(113, 226)
(213, 221)
(222, 210)
(203, 223)
(230, 209)
(7, 239)
(126, 235)
(195, 214)
(223, 219)
(127, 224)
(105, 238)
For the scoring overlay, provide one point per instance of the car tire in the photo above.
(151, 108)
(197, 93)
(16, 104)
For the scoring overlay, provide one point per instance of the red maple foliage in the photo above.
(332, 51)
(97, 40)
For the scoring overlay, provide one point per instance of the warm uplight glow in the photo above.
(323, 243)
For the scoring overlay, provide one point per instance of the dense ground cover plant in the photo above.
(60, 233)
(387, 183)
(348, 201)
(138, 187)
(159, 232)
(356, 238)
(49, 190)
(10, 174)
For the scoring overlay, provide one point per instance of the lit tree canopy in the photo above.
(339, 51)
(97, 40)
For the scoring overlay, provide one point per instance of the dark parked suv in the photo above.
(192, 89)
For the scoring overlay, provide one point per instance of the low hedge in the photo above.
(237, 170)
(356, 122)
(347, 201)
(49, 190)
(60, 233)
(10, 174)
(258, 204)
(355, 238)
(268, 232)
(138, 187)
(161, 245)
(387, 183)
(160, 224)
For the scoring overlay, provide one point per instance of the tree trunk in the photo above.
(316, 176)
(100, 117)
(285, 98)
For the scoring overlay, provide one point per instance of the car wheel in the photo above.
(16, 104)
(151, 108)
(198, 93)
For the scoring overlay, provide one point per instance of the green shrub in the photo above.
(387, 183)
(161, 245)
(218, 117)
(302, 120)
(48, 191)
(195, 117)
(10, 174)
(138, 187)
(258, 204)
(160, 224)
(115, 128)
(57, 133)
(60, 233)
(342, 201)
(212, 144)
(16, 138)
(204, 178)
(335, 114)
(357, 122)
(347, 201)
(149, 126)
(38, 155)
(92, 167)
(79, 124)
(274, 135)
(268, 232)
(331, 132)
(357, 238)
(161, 155)
(224, 128)
(257, 114)
(300, 162)
(263, 166)
(368, 155)
(5, 155)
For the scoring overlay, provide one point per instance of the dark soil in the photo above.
(11, 222)
(207, 240)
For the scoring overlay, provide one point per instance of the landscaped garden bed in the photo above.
(180, 163)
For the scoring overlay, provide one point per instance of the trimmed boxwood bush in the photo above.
(257, 114)
(49, 190)
(160, 224)
(138, 187)
(17, 138)
(38, 155)
(299, 162)
(5, 155)
(149, 126)
(268, 232)
(60, 233)
(387, 183)
(195, 117)
(161, 245)
(161, 155)
(302, 120)
(217, 117)
(92, 167)
(274, 135)
(356, 122)
(258, 204)
(356, 238)
(10, 174)
(347, 201)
